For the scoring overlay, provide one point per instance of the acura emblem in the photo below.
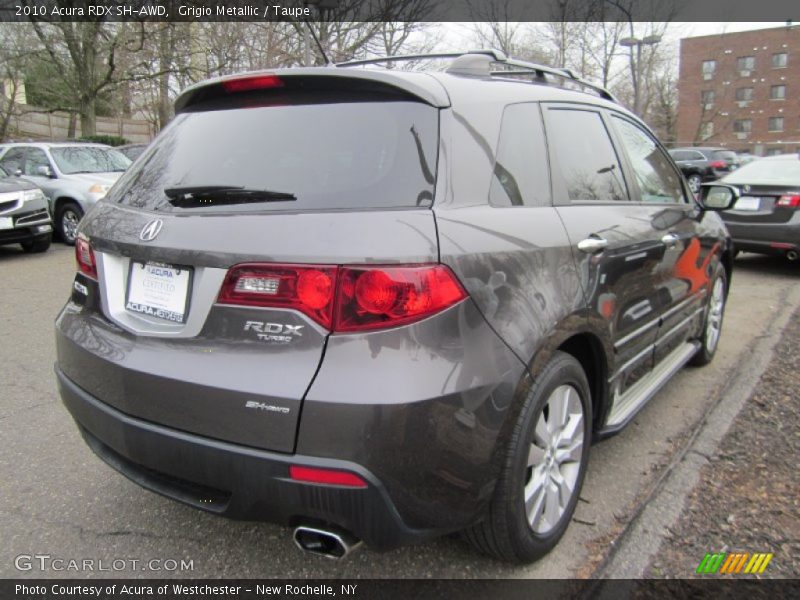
(746, 189)
(151, 230)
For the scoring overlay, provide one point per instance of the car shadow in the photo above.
(761, 263)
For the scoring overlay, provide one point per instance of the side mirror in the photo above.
(717, 196)
(44, 171)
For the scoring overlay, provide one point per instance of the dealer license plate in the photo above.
(159, 290)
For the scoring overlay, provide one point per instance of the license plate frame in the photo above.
(6, 222)
(159, 302)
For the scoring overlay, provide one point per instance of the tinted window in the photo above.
(330, 156)
(657, 180)
(681, 155)
(520, 171)
(586, 159)
(12, 160)
(728, 155)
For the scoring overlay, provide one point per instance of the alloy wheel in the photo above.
(554, 459)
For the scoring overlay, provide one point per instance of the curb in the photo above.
(644, 533)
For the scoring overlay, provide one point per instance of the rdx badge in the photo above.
(273, 332)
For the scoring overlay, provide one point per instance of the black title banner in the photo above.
(399, 10)
(388, 589)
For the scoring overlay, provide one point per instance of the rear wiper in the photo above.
(191, 196)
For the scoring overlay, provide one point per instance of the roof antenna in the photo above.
(317, 42)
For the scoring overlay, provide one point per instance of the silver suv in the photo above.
(386, 305)
(73, 176)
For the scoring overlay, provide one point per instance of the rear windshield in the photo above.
(725, 155)
(784, 171)
(348, 155)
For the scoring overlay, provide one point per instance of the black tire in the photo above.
(694, 180)
(68, 214)
(506, 532)
(708, 347)
(36, 246)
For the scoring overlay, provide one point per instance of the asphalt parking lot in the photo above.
(58, 500)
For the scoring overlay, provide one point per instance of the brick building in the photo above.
(741, 90)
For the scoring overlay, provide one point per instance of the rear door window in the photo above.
(584, 155)
(521, 175)
(348, 155)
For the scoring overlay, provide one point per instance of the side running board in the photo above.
(626, 405)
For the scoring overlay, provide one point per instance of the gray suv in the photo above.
(72, 175)
(385, 305)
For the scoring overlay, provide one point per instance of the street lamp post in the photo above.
(636, 65)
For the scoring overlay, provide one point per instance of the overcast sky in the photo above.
(457, 36)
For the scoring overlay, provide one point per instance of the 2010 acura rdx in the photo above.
(385, 305)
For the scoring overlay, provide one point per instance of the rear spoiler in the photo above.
(420, 87)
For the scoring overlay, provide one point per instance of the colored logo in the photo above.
(735, 562)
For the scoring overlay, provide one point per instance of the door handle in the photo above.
(670, 239)
(592, 245)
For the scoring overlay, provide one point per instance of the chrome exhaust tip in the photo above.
(792, 255)
(330, 543)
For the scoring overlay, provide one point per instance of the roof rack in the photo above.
(479, 63)
(494, 54)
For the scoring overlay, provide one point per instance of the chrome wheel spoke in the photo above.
(552, 506)
(536, 455)
(534, 498)
(571, 453)
(541, 434)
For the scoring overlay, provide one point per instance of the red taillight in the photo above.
(85, 257)
(789, 201)
(248, 84)
(718, 164)
(364, 298)
(375, 298)
(308, 289)
(326, 476)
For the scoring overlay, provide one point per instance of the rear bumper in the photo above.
(766, 238)
(234, 481)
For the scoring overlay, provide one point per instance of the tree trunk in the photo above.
(88, 117)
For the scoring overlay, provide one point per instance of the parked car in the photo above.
(350, 301)
(132, 151)
(73, 176)
(24, 217)
(704, 164)
(766, 216)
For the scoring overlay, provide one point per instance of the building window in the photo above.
(773, 152)
(777, 92)
(706, 130)
(744, 94)
(742, 125)
(746, 63)
(707, 98)
(775, 124)
(779, 60)
(709, 68)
